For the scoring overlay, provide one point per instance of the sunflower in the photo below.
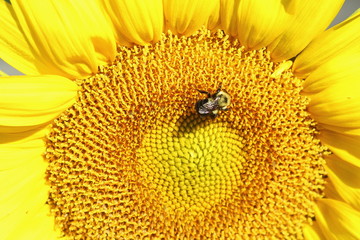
(101, 138)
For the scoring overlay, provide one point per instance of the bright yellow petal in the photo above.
(345, 180)
(309, 18)
(342, 130)
(24, 191)
(30, 142)
(333, 88)
(345, 147)
(338, 104)
(339, 39)
(228, 16)
(13, 46)
(2, 74)
(186, 16)
(26, 102)
(256, 23)
(213, 22)
(67, 38)
(337, 220)
(39, 226)
(344, 67)
(310, 233)
(137, 21)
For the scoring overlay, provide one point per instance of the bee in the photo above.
(219, 101)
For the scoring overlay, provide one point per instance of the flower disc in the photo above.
(132, 158)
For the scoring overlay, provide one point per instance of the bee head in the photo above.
(223, 99)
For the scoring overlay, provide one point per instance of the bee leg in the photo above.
(214, 115)
(205, 92)
(219, 88)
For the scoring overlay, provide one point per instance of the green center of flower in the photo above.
(133, 159)
(193, 162)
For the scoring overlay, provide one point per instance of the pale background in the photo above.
(349, 7)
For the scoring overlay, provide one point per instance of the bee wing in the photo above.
(211, 105)
(207, 107)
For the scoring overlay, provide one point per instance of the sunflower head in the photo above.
(179, 120)
(141, 151)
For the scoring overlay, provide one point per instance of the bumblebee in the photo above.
(219, 101)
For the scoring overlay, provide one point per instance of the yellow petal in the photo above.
(339, 39)
(345, 147)
(24, 191)
(39, 226)
(310, 233)
(228, 16)
(66, 37)
(186, 16)
(345, 180)
(214, 19)
(13, 46)
(2, 74)
(338, 104)
(309, 18)
(27, 102)
(344, 67)
(256, 23)
(337, 220)
(342, 130)
(137, 21)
